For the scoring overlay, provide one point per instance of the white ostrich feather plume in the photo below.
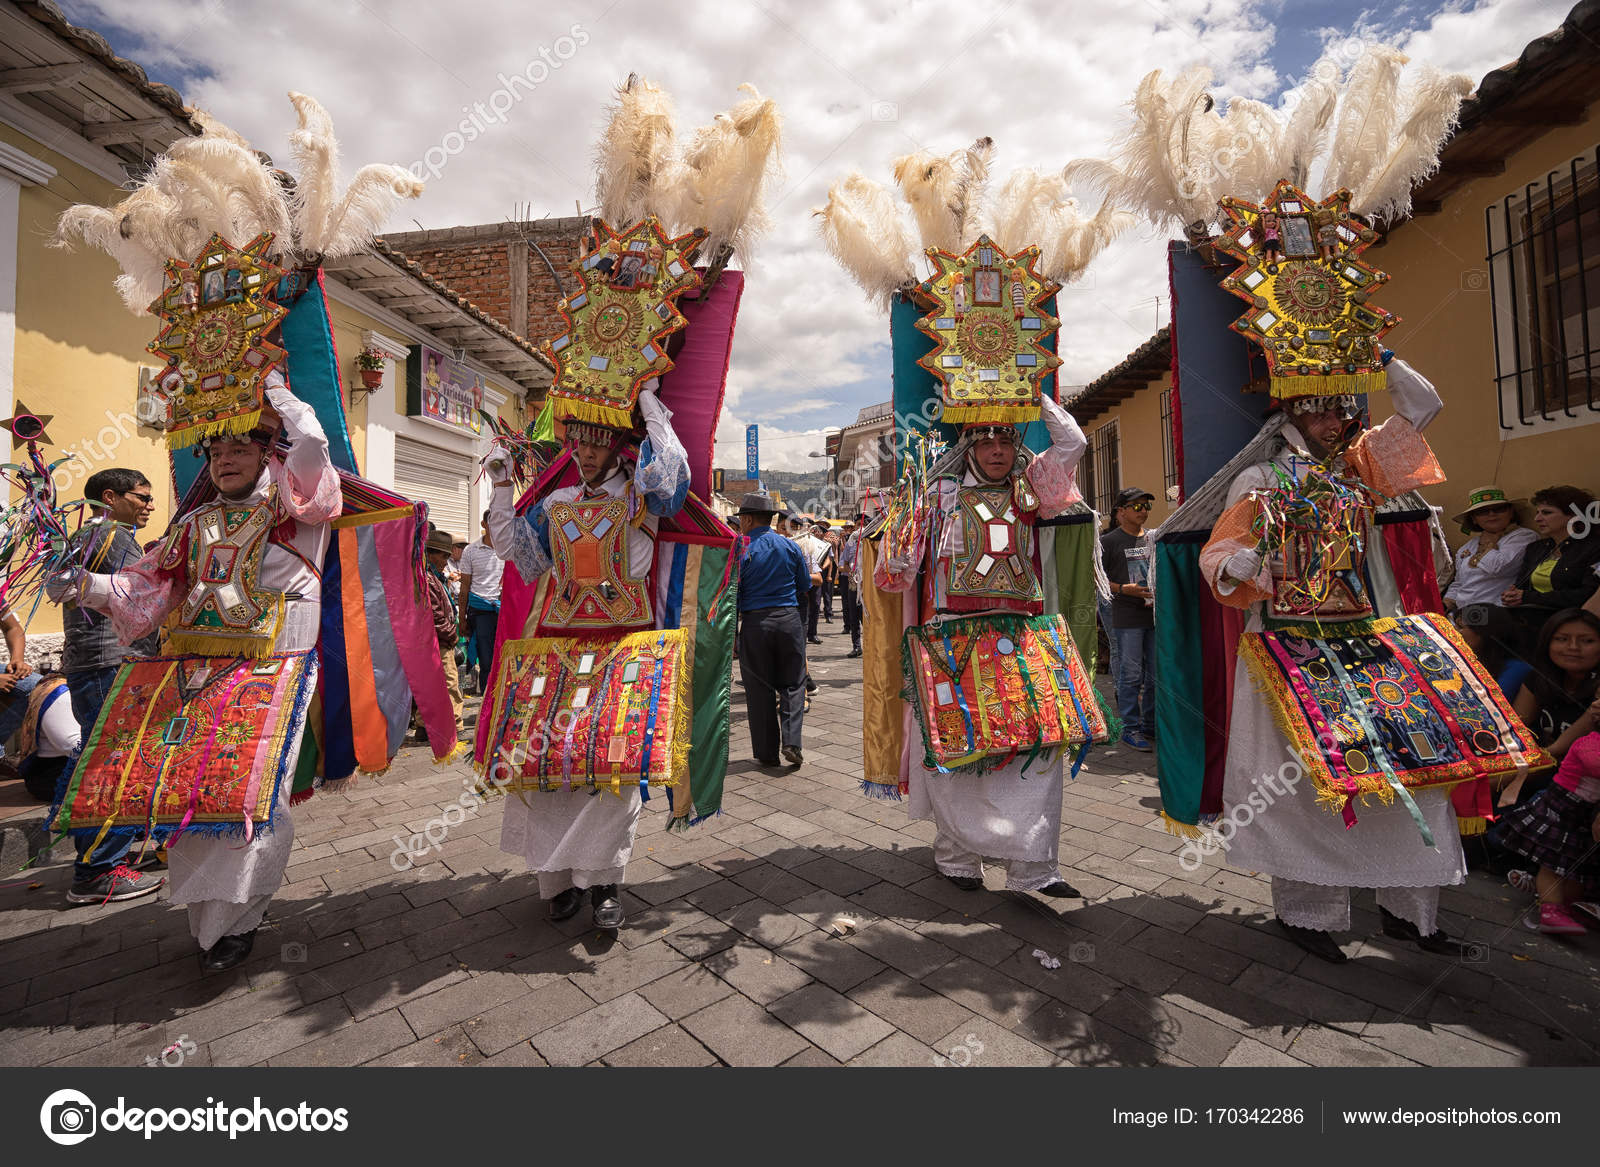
(862, 229)
(636, 166)
(726, 168)
(1432, 105)
(215, 184)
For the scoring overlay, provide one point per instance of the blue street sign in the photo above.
(752, 454)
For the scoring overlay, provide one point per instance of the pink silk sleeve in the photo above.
(1393, 457)
(140, 596)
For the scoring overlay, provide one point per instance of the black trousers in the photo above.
(827, 599)
(852, 613)
(772, 663)
(813, 609)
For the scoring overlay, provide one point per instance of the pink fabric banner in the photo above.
(412, 621)
(694, 388)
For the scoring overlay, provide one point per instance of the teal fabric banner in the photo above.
(1180, 697)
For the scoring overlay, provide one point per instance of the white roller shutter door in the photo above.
(440, 479)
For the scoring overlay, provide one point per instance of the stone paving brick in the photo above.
(449, 1047)
(974, 938)
(904, 907)
(898, 1049)
(757, 972)
(352, 1045)
(983, 1043)
(831, 960)
(596, 1032)
(1187, 1036)
(811, 1058)
(984, 991)
(395, 989)
(764, 922)
(773, 883)
(1436, 1047)
(276, 1035)
(910, 1006)
(839, 878)
(685, 991)
(522, 1017)
(741, 1033)
(668, 1046)
(833, 1022)
(628, 971)
(1317, 1045)
(910, 952)
(456, 1002)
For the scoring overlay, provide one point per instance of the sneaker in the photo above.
(1587, 907)
(1555, 920)
(120, 883)
(1523, 881)
(1136, 741)
(793, 756)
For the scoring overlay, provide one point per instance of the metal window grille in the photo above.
(1169, 452)
(1100, 473)
(1544, 285)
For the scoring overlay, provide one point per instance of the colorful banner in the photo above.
(441, 388)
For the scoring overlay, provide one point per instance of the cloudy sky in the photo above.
(858, 84)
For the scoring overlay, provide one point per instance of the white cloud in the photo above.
(858, 84)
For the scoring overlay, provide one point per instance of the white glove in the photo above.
(497, 463)
(1243, 566)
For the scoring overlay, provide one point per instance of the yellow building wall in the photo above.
(78, 349)
(1142, 460)
(1439, 287)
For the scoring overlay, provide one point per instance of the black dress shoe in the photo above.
(813, 640)
(565, 904)
(853, 652)
(1061, 890)
(607, 907)
(228, 952)
(1399, 928)
(964, 882)
(1318, 944)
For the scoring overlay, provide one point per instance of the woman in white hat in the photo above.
(1487, 564)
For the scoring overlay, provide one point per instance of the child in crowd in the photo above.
(1560, 831)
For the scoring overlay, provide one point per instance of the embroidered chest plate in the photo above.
(1319, 578)
(226, 610)
(994, 558)
(592, 587)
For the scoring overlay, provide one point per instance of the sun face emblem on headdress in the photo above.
(1308, 290)
(618, 321)
(215, 310)
(986, 317)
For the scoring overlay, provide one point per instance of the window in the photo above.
(1544, 284)
(1100, 473)
(1169, 452)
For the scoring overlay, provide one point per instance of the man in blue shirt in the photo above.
(773, 581)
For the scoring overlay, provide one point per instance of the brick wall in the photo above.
(478, 263)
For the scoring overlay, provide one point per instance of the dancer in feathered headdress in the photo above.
(617, 620)
(951, 573)
(206, 742)
(1381, 710)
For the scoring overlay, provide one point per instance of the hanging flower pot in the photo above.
(371, 378)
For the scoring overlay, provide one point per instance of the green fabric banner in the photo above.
(713, 685)
(1073, 546)
(1180, 696)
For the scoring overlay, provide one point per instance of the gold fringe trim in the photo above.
(199, 644)
(570, 409)
(460, 748)
(1472, 826)
(1332, 385)
(241, 423)
(1181, 830)
(978, 414)
(368, 517)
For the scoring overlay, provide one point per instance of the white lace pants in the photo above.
(1021, 874)
(211, 920)
(1327, 909)
(553, 883)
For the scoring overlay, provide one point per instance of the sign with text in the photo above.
(752, 454)
(443, 389)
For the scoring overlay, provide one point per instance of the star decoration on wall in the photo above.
(987, 319)
(1308, 291)
(215, 310)
(618, 321)
(27, 426)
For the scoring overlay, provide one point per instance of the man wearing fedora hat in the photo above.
(1488, 562)
(439, 548)
(774, 580)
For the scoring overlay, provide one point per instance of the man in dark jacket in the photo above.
(774, 580)
(93, 654)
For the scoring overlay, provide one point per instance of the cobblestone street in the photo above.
(804, 926)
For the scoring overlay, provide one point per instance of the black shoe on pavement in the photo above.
(965, 882)
(853, 652)
(1318, 944)
(1399, 928)
(1061, 890)
(607, 907)
(793, 756)
(228, 952)
(766, 761)
(122, 882)
(813, 640)
(565, 904)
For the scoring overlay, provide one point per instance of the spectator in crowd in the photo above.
(1499, 640)
(1563, 681)
(1488, 563)
(445, 618)
(814, 549)
(93, 655)
(1125, 554)
(48, 737)
(1557, 571)
(830, 567)
(1560, 831)
(479, 602)
(773, 582)
(850, 593)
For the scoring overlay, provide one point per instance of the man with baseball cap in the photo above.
(1125, 553)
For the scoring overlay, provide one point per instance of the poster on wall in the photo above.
(443, 389)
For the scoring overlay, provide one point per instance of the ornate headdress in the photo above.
(661, 206)
(1369, 139)
(216, 242)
